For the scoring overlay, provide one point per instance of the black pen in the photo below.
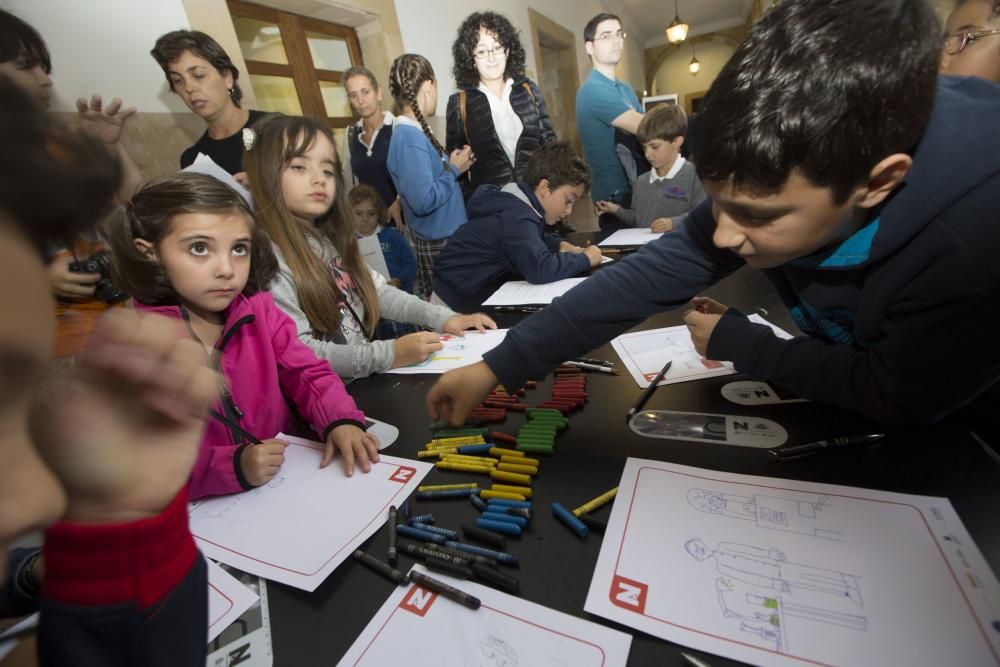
(517, 309)
(649, 392)
(794, 452)
(600, 368)
(234, 426)
(596, 362)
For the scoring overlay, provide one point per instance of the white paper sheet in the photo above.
(458, 351)
(371, 252)
(303, 523)
(631, 236)
(247, 640)
(522, 293)
(505, 630)
(8, 645)
(203, 164)
(646, 352)
(227, 599)
(780, 572)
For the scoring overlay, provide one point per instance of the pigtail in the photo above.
(408, 72)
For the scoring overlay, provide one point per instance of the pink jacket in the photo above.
(265, 367)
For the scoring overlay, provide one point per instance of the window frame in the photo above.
(300, 68)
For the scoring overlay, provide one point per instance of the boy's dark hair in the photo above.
(171, 46)
(590, 30)
(21, 43)
(665, 122)
(148, 215)
(559, 164)
(464, 70)
(813, 90)
(41, 157)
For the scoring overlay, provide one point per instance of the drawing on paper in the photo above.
(788, 514)
(492, 652)
(762, 589)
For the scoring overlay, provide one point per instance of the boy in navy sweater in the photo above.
(863, 186)
(505, 237)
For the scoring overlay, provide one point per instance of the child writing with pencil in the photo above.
(188, 247)
(671, 188)
(322, 282)
(506, 237)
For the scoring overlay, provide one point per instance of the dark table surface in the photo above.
(556, 566)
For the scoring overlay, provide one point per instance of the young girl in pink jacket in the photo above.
(187, 246)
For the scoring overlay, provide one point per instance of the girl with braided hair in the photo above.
(425, 177)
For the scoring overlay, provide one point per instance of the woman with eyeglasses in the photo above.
(498, 111)
(972, 40)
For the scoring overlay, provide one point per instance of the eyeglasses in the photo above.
(496, 52)
(619, 35)
(958, 42)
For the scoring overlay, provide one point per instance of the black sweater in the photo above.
(492, 166)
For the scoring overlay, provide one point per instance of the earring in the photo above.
(230, 92)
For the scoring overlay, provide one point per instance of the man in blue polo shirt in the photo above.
(603, 104)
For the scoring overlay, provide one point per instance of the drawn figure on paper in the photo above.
(492, 652)
(276, 481)
(768, 568)
(234, 511)
(788, 514)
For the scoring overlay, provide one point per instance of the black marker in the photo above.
(380, 567)
(496, 577)
(392, 534)
(444, 589)
(593, 522)
(647, 393)
(516, 309)
(218, 416)
(795, 452)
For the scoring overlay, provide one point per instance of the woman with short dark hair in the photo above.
(499, 112)
(200, 71)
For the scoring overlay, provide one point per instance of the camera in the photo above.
(100, 263)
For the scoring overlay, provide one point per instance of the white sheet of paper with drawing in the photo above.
(227, 599)
(523, 293)
(458, 351)
(303, 523)
(203, 164)
(646, 352)
(371, 252)
(781, 572)
(419, 628)
(631, 236)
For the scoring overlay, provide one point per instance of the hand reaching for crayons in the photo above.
(701, 321)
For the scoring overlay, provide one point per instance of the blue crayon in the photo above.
(450, 534)
(447, 493)
(499, 556)
(498, 526)
(421, 518)
(475, 449)
(510, 503)
(406, 508)
(422, 535)
(478, 503)
(567, 517)
(506, 518)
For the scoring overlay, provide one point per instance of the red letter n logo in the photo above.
(628, 594)
(402, 474)
(418, 600)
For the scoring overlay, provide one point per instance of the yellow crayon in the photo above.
(520, 460)
(471, 460)
(448, 487)
(512, 477)
(487, 494)
(428, 454)
(504, 488)
(503, 451)
(521, 470)
(460, 440)
(599, 501)
(463, 467)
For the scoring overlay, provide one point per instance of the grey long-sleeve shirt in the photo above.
(666, 198)
(355, 356)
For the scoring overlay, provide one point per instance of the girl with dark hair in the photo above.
(425, 178)
(187, 247)
(200, 71)
(323, 283)
(972, 40)
(498, 111)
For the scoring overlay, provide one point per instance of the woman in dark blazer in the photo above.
(498, 111)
